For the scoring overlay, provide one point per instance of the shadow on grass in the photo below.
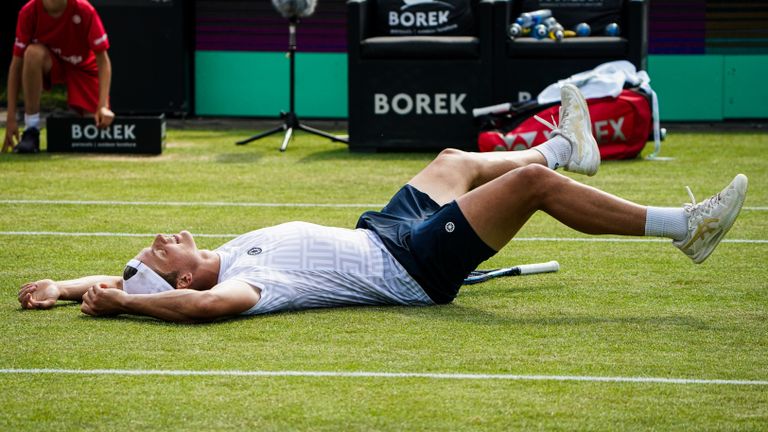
(477, 316)
(478, 290)
(45, 156)
(453, 312)
(157, 322)
(448, 313)
(25, 158)
(229, 158)
(59, 305)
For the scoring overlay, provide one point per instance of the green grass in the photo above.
(614, 309)
(55, 99)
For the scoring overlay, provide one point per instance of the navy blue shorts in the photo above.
(435, 244)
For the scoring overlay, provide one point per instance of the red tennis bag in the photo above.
(621, 125)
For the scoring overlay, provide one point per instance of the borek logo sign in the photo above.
(420, 104)
(430, 18)
(121, 135)
(119, 132)
(424, 17)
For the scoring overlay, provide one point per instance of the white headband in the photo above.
(138, 278)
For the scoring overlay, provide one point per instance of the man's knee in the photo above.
(35, 55)
(534, 172)
(534, 180)
(454, 160)
(451, 155)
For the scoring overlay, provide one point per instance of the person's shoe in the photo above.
(709, 220)
(30, 141)
(576, 127)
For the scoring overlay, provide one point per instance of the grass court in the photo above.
(619, 319)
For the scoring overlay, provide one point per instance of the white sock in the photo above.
(670, 222)
(32, 120)
(556, 150)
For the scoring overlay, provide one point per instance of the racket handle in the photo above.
(547, 267)
(493, 109)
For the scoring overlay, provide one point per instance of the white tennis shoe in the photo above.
(709, 220)
(576, 127)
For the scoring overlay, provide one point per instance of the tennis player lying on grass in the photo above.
(456, 213)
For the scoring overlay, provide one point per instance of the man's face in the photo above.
(55, 6)
(169, 252)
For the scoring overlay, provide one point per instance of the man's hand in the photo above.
(103, 117)
(11, 134)
(39, 295)
(101, 300)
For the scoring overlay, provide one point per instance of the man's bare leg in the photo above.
(454, 172)
(571, 146)
(498, 209)
(37, 64)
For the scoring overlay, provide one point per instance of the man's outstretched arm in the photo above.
(227, 299)
(44, 293)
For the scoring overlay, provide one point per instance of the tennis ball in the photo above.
(583, 29)
(612, 29)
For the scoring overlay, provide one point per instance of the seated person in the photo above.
(57, 42)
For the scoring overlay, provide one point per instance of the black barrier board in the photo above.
(139, 135)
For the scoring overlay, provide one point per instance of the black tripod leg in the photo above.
(262, 135)
(286, 139)
(322, 134)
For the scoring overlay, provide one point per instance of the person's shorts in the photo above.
(82, 85)
(435, 244)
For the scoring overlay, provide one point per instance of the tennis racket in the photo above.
(478, 276)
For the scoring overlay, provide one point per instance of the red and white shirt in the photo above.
(73, 37)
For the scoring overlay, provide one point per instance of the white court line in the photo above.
(621, 240)
(333, 374)
(530, 239)
(218, 204)
(190, 204)
(99, 234)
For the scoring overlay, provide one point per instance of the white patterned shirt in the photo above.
(298, 265)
